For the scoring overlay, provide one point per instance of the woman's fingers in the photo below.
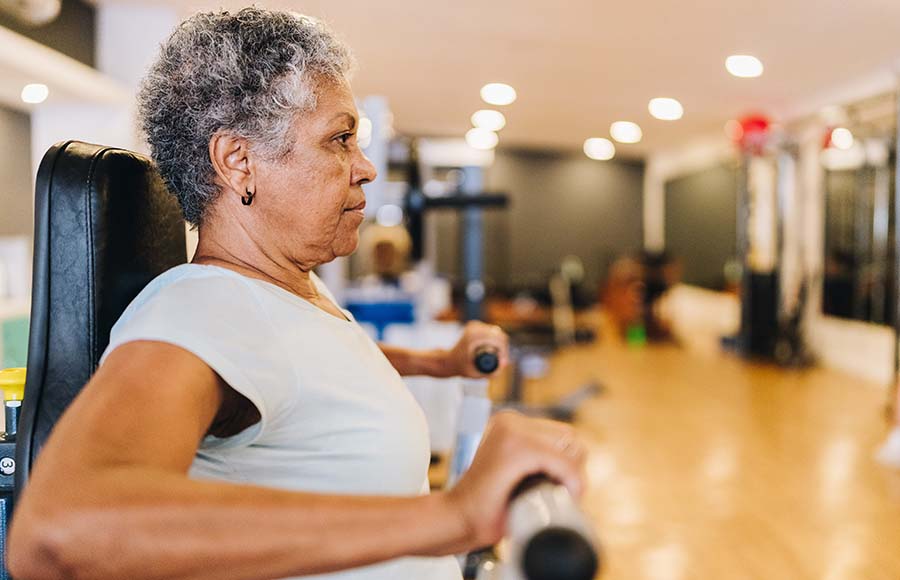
(477, 336)
(515, 447)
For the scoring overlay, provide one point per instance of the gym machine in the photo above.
(12, 383)
(548, 537)
(471, 202)
(773, 297)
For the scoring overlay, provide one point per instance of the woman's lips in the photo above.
(358, 209)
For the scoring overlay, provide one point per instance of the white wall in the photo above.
(129, 36)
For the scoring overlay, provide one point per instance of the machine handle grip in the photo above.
(487, 359)
(550, 537)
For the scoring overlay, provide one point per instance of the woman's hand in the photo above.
(513, 448)
(456, 362)
(460, 360)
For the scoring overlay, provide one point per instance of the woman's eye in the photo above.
(345, 137)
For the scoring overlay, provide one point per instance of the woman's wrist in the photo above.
(455, 535)
(437, 363)
(409, 362)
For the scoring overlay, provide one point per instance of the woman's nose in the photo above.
(364, 170)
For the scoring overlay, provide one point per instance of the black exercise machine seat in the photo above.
(104, 226)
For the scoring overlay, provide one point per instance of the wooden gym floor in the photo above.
(706, 467)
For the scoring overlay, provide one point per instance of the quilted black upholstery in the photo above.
(105, 225)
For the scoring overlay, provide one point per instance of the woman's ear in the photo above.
(232, 160)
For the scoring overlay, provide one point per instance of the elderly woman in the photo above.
(241, 425)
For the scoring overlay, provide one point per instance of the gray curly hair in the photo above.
(247, 73)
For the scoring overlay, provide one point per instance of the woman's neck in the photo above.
(252, 261)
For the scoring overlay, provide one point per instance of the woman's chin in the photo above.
(346, 246)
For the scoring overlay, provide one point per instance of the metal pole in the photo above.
(784, 198)
(896, 288)
(880, 225)
(743, 251)
(471, 245)
(861, 243)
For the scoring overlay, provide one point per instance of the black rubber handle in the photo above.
(487, 359)
(558, 553)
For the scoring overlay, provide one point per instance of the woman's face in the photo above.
(310, 203)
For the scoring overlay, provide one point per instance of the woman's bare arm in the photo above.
(410, 362)
(109, 496)
(458, 361)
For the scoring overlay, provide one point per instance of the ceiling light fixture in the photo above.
(364, 132)
(626, 132)
(498, 94)
(744, 66)
(489, 119)
(481, 139)
(35, 93)
(842, 138)
(665, 109)
(599, 148)
(389, 215)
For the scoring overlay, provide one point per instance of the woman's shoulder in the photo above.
(191, 291)
(186, 278)
(216, 315)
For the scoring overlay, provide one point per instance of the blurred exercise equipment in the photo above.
(529, 344)
(770, 247)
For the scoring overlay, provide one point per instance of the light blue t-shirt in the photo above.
(335, 415)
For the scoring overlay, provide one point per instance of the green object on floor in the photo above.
(636, 335)
(14, 341)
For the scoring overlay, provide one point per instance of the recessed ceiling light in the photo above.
(626, 132)
(389, 215)
(666, 109)
(35, 93)
(498, 94)
(364, 132)
(599, 148)
(481, 138)
(842, 138)
(488, 119)
(744, 66)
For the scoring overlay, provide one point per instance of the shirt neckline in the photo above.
(347, 319)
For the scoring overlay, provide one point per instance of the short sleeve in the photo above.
(219, 320)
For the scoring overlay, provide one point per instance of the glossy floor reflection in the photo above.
(705, 467)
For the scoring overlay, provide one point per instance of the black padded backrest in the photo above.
(105, 225)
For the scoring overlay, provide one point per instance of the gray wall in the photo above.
(561, 203)
(15, 172)
(701, 223)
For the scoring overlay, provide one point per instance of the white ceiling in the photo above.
(581, 64)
